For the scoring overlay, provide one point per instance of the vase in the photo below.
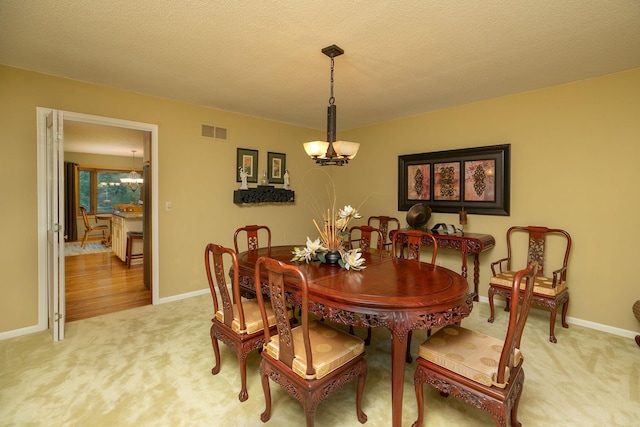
(332, 257)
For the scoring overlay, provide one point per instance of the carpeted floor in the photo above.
(151, 366)
(75, 248)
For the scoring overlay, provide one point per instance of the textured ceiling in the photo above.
(262, 58)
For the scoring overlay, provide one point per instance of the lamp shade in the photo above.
(346, 148)
(316, 148)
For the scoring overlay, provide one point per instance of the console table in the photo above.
(467, 243)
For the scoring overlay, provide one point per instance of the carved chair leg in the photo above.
(638, 339)
(491, 308)
(419, 398)
(310, 406)
(514, 409)
(552, 324)
(216, 352)
(362, 417)
(408, 358)
(367, 340)
(266, 415)
(565, 307)
(242, 361)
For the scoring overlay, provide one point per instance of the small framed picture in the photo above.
(276, 167)
(247, 160)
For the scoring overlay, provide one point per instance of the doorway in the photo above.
(97, 278)
(44, 257)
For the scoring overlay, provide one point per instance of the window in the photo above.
(100, 189)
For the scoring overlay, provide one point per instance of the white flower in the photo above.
(315, 246)
(353, 260)
(309, 252)
(348, 212)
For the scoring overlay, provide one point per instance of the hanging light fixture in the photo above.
(331, 152)
(133, 180)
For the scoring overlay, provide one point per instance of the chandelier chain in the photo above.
(332, 99)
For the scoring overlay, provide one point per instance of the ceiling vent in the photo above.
(214, 132)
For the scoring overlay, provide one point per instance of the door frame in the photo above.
(42, 112)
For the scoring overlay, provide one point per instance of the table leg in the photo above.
(398, 355)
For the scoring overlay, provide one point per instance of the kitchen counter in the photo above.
(122, 223)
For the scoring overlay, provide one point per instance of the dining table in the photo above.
(399, 294)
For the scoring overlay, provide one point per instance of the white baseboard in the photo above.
(574, 321)
(183, 296)
(19, 332)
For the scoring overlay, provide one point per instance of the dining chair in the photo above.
(479, 369)
(386, 224)
(408, 244)
(236, 323)
(546, 246)
(309, 361)
(252, 232)
(92, 229)
(361, 236)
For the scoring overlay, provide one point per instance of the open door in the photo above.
(55, 219)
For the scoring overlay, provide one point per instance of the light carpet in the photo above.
(151, 366)
(75, 248)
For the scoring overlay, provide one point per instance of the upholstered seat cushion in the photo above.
(542, 285)
(252, 317)
(330, 347)
(468, 353)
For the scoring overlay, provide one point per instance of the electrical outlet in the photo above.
(168, 206)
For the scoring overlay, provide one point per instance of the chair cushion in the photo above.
(542, 285)
(468, 353)
(330, 347)
(252, 317)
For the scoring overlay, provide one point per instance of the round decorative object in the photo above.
(332, 257)
(418, 215)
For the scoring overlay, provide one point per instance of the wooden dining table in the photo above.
(401, 295)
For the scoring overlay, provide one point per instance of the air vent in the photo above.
(214, 132)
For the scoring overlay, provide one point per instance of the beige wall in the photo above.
(574, 153)
(575, 156)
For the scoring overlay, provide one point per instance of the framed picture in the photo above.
(277, 164)
(247, 159)
(477, 179)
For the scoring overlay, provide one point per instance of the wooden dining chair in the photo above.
(408, 244)
(550, 290)
(92, 229)
(386, 224)
(252, 232)
(236, 323)
(481, 370)
(361, 236)
(312, 360)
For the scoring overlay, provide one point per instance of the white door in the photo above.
(55, 221)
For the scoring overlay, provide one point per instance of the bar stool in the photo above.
(131, 236)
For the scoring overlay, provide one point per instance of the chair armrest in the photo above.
(559, 276)
(499, 264)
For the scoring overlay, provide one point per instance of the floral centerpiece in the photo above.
(332, 238)
(331, 245)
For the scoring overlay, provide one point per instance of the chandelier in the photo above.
(331, 152)
(133, 180)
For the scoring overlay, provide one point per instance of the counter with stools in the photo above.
(131, 236)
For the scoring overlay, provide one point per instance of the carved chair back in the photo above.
(408, 244)
(385, 224)
(252, 232)
(363, 236)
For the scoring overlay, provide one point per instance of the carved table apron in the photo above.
(398, 294)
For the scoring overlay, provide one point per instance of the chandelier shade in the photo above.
(331, 152)
(133, 180)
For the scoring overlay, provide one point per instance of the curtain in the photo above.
(70, 184)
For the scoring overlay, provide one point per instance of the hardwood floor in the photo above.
(99, 284)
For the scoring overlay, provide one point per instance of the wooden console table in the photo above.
(467, 243)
